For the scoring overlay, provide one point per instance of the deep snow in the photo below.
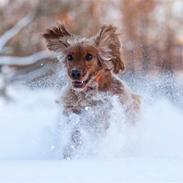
(151, 150)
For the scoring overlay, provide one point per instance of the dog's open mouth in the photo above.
(80, 83)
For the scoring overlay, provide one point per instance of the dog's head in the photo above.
(84, 58)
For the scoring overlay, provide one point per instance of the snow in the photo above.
(89, 171)
(31, 141)
(24, 126)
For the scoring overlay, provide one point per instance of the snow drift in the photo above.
(29, 127)
(32, 127)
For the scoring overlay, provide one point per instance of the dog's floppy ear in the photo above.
(107, 40)
(57, 38)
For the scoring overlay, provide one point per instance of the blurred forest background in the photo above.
(151, 32)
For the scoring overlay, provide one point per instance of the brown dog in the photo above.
(91, 65)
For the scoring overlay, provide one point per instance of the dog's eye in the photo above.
(69, 57)
(88, 57)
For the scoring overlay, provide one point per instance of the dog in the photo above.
(92, 65)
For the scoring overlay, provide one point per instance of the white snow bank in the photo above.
(27, 124)
(87, 171)
(29, 129)
(161, 131)
(151, 150)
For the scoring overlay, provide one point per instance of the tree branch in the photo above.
(23, 61)
(14, 30)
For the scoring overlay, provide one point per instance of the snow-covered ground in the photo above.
(150, 151)
(93, 171)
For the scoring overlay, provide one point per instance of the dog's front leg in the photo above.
(75, 143)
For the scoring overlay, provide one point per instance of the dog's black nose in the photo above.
(75, 73)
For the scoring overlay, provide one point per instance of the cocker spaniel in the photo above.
(92, 65)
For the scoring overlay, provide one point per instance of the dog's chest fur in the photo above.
(92, 106)
(78, 101)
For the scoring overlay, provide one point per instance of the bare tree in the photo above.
(13, 60)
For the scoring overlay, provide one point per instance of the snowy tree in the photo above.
(14, 60)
